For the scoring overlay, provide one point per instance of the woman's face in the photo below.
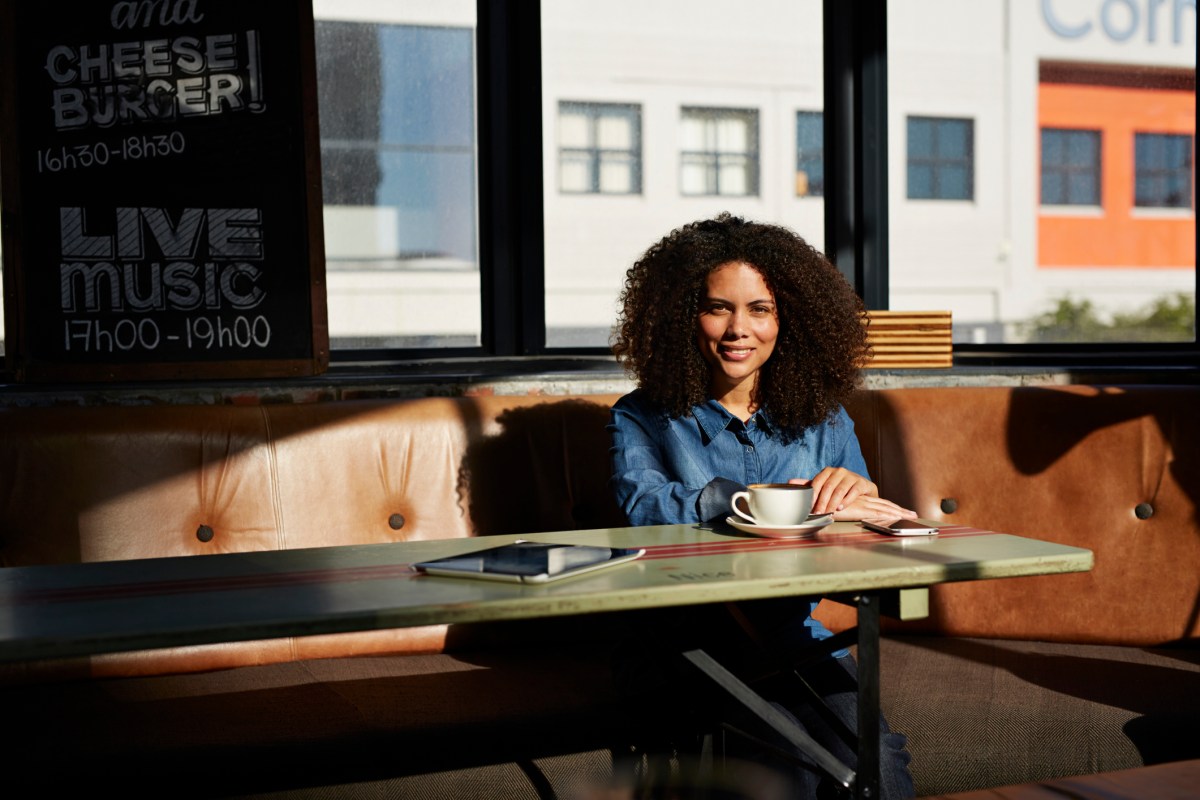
(737, 326)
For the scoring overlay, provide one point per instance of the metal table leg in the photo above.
(756, 705)
(867, 783)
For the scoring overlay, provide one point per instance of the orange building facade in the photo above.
(1117, 232)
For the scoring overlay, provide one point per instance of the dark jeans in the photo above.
(650, 663)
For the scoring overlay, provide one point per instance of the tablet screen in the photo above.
(529, 561)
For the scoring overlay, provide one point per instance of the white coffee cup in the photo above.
(775, 503)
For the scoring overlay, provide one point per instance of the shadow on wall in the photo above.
(1080, 413)
(546, 470)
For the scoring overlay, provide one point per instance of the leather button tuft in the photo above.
(1144, 511)
(949, 505)
(204, 533)
(396, 521)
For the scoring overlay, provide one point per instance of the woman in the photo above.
(744, 341)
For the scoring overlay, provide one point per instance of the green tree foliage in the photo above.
(1171, 318)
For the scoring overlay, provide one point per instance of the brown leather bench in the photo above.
(1007, 681)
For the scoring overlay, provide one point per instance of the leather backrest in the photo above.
(1075, 465)
(99, 484)
(91, 484)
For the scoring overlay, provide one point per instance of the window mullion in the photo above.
(511, 227)
(856, 204)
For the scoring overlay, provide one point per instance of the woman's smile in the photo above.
(736, 353)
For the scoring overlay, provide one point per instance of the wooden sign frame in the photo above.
(161, 190)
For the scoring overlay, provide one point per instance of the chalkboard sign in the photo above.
(161, 190)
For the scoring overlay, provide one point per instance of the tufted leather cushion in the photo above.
(90, 484)
(1068, 465)
(100, 484)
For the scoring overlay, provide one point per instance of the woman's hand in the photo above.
(867, 507)
(850, 496)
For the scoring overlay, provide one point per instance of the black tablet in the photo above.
(529, 562)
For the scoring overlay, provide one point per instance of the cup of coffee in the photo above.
(777, 504)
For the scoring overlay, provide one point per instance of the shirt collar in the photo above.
(712, 417)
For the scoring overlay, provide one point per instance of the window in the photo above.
(941, 154)
(720, 152)
(1051, 261)
(1163, 164)
(600, 148)
(1070, 167)
(398, 168)
(810, 154)
(611, 65)
(964, 96)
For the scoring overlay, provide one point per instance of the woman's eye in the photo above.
(760, 311)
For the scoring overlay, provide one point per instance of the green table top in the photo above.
(81, 609)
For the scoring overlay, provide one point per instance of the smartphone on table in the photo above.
(901, 527)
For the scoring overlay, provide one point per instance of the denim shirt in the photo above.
(671, 471)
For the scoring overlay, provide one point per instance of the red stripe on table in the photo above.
(405, 571)
(756, 544)
(217, 584)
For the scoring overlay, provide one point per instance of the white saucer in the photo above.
(811, 525)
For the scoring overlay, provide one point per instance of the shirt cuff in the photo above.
(713, 504)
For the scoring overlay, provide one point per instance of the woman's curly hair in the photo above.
(822, 339)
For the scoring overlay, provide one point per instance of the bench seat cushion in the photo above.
(984, 712)
(310, 723)
(1175, 781)
(978, 713)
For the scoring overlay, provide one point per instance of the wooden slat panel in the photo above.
(910, 339)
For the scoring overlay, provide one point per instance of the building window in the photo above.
(1163, 170)
(941, 159)
(1070, 167)
(720, 152)
(398, 128)
(398, 174)
(810, 154)
(600, 148)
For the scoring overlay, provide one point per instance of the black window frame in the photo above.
(511, 230)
